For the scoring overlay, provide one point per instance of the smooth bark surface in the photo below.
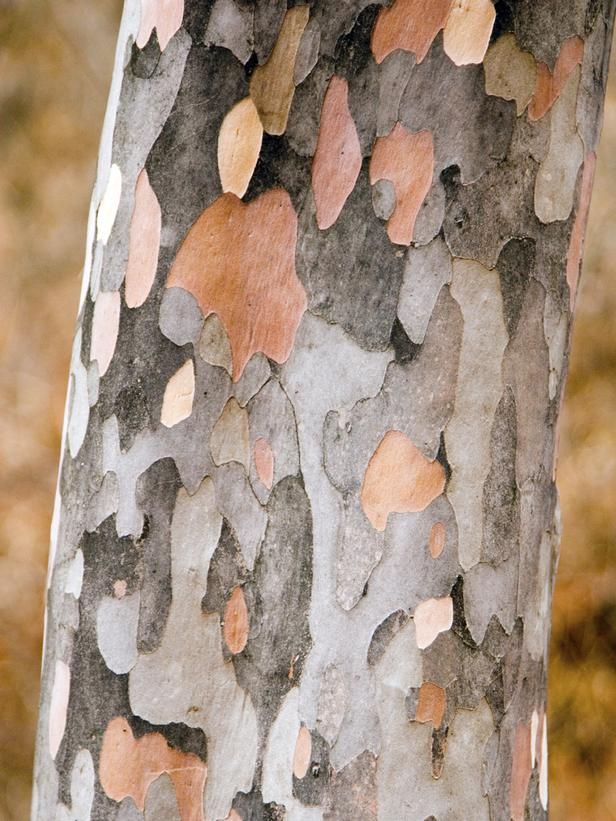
(306, 528)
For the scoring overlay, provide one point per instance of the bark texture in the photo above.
(306, 529)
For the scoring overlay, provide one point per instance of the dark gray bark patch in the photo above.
(313, 789)
(352, 270)
(384, 633)
(213, 82)
(501, 505)
(156, 493)
(470, 129)
(278, 600)
(516, 264)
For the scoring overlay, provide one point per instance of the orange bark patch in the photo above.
(239, 144)
(407, 161)
(128, 766)
(549, 85)
(238, 260)
(337, 160)
(105, 327)
(431, 704)
(410, 25)
(303, 751)
(520, 771)
(576, 243)
(235, 630)
(264, 462)
(399, 479)
(437, 540)
(467, 33)
(144, 244)
(271, 85)
(163, 15)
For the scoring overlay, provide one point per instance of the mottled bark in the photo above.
(306, 527)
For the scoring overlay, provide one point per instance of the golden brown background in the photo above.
(55, 66)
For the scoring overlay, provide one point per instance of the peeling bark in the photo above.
(306, 526)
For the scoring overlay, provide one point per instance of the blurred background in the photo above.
(55, 65)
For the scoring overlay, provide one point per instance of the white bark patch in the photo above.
(108, 207)
(555, 327)
(187, 679)
(427, 269)
(479, 389)
(58, 706)
(105, 328)
(543, 772)
(79, 412)
(406, 788)
(82, 790)
(74, 576)
(332, 704)
(231, 26)
(117, 620)
(557, 175)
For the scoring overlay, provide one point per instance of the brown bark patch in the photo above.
(410, 25)
(163, 15)
(337, 160)
(235, 630)
(550, 84)
(399, 479)
(407, 161)
(239, 144)
(576, 243)
(431, 704)
(144, 243)
(264, 461)
(467, 33)
(271, 85)
(128, 766)
(238, 261)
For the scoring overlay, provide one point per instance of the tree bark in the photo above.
(306, 527)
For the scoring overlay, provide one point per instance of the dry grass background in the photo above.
(55, 65)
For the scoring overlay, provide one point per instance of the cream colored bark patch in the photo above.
(179, 395)
(214, 344)
(271, 85)
(105, 328)
(58, 706)
(432, 617)
(479, 389)
(239, 144)
(468, 29)
(163, 15)
(144, 243)
(230, 437)
(510, 72)
(108, 206)
(399, 479)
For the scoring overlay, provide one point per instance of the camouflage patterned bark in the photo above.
(306, 528)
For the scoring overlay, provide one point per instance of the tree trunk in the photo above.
(306, 527)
